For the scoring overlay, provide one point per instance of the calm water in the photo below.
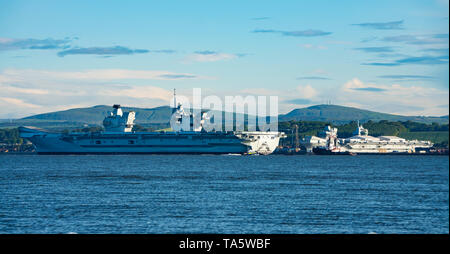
(224, 194)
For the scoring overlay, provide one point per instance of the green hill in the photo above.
(340, 115)
(79, 117)
(95, 115)
(159, 117)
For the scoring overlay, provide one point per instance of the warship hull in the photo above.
(151, 143)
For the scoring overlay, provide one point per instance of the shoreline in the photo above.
(274, 154)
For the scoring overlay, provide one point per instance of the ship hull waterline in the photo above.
(323, 151)
(55, 145)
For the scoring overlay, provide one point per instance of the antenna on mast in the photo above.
(359, 129)
(174, 101)
(174, 98)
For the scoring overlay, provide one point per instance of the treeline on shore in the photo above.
(10, 136)
(436, 133)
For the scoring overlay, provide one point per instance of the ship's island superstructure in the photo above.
(118, 137)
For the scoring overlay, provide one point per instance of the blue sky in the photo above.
(388, 56)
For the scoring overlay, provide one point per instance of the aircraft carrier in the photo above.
(118, 137)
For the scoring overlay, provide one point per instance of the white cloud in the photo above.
(27, 92)
(18, 102)
(354, 83)
(15, 108)
(98, 74)
(13, 89)
(320, 72)
(393, 98)
(311, 46)
(288, 99)
(306, 92)
(259, 91)
(387, 98)
(146, 92)
(210, 57)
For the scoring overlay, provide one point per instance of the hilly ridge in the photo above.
(341, 114)
(160, 116)
(95, 114)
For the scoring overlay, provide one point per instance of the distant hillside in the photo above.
(160, 116)
(96, 114)
(340, 115)
(157, 118)
(78, 117)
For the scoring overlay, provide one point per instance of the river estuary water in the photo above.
(224, 194)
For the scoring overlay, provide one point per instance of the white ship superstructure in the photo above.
(362, 143)
(118, 137)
